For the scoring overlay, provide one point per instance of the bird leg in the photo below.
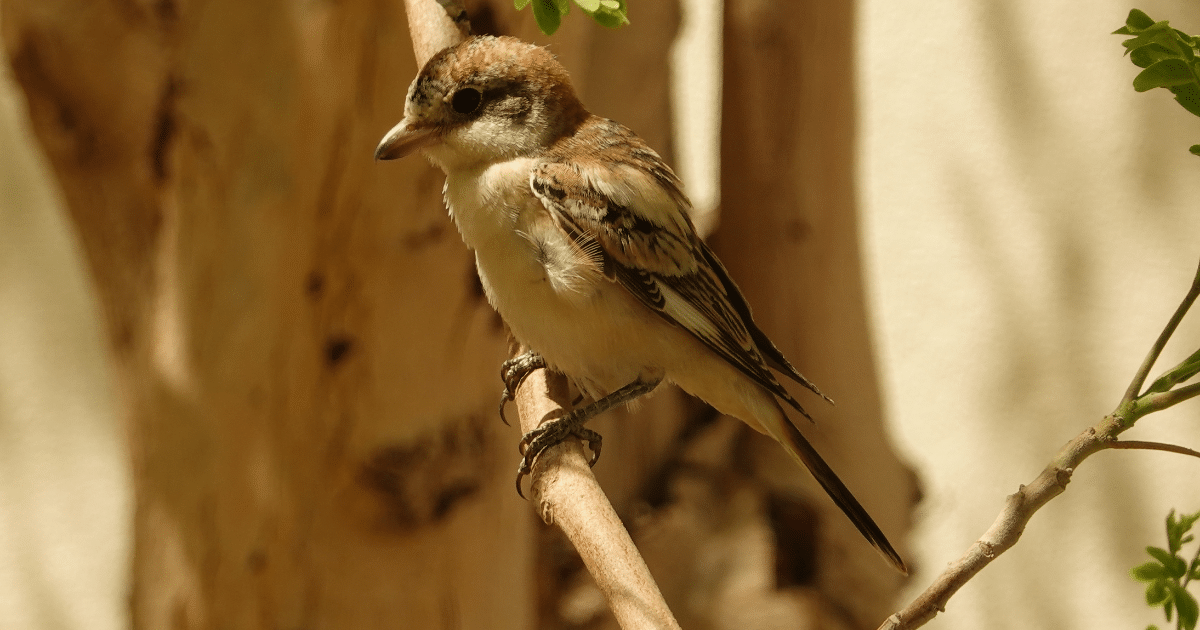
(556, 430)
(513, 371)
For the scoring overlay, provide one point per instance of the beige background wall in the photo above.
(1029, 222)
(65, 495)
(1030, 225)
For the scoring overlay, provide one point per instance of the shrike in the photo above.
(583, 244)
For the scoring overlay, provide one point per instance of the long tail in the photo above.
(802, 451)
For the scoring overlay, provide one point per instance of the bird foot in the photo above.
(554, 432)
(513, 372)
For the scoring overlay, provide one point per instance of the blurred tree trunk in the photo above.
(308, 365)
(305, 357)
(789, 235)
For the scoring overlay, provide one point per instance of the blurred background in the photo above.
(248, 379)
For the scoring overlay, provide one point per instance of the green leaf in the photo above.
(609, 13)
(1144, 56)
(1195, 149)
(1188, 96)
(1186, 48)
(588, 5)
(1186, 604)
(1138, 20)
(1177, 529)
(1148, 572)
(1162, 36)
(1157, 593)
(520, 4)
(1176, 569)
(1162, 555)
(546, 13)
(1165, 73)
(1173, 565)
(564, 7)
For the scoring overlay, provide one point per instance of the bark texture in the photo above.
(307, 363)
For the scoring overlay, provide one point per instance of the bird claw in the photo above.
(513, 372)
(553, 432)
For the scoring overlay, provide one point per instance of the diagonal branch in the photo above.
(1009, 525)
(1027, 500)
(566, 494)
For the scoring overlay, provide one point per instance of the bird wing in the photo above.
(632, 208)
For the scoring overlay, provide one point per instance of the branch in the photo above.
(1154, 446)
(1021, 506)
(566, 494)
(434, 25)
(1009, 525)
(563, 488)
(1162, 400)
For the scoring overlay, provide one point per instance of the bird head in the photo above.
(486, 99)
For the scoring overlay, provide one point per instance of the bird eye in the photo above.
(466, 100)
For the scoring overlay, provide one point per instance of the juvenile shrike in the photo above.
(583, 244)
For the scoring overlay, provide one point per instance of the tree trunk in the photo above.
(789, 235)
(304, 355)
(308, 366)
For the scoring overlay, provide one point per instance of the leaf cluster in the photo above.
(1168, 574)
(549, 13)
(1170, 58)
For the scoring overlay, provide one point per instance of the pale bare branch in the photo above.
(564, 490)
(566, 494)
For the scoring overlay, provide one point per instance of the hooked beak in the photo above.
(404, 139)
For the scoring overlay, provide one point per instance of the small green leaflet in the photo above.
(1170, 58)
(549, 13)
(1167, 576)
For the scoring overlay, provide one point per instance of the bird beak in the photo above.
(404, 139)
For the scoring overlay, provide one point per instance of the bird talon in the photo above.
(513, 372)
(594, 441)
(522, 471)
(554, 432)
(505, 396)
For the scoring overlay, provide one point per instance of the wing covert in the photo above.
(634, 211)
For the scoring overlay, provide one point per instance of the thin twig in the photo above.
(1021, 506)
(1154, 446)
(1161, 400)
(1139, 378)
(1009, 525)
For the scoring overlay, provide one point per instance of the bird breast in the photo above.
(550, 291)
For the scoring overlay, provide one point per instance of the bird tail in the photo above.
(802, 451)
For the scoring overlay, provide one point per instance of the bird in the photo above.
(584, 246)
